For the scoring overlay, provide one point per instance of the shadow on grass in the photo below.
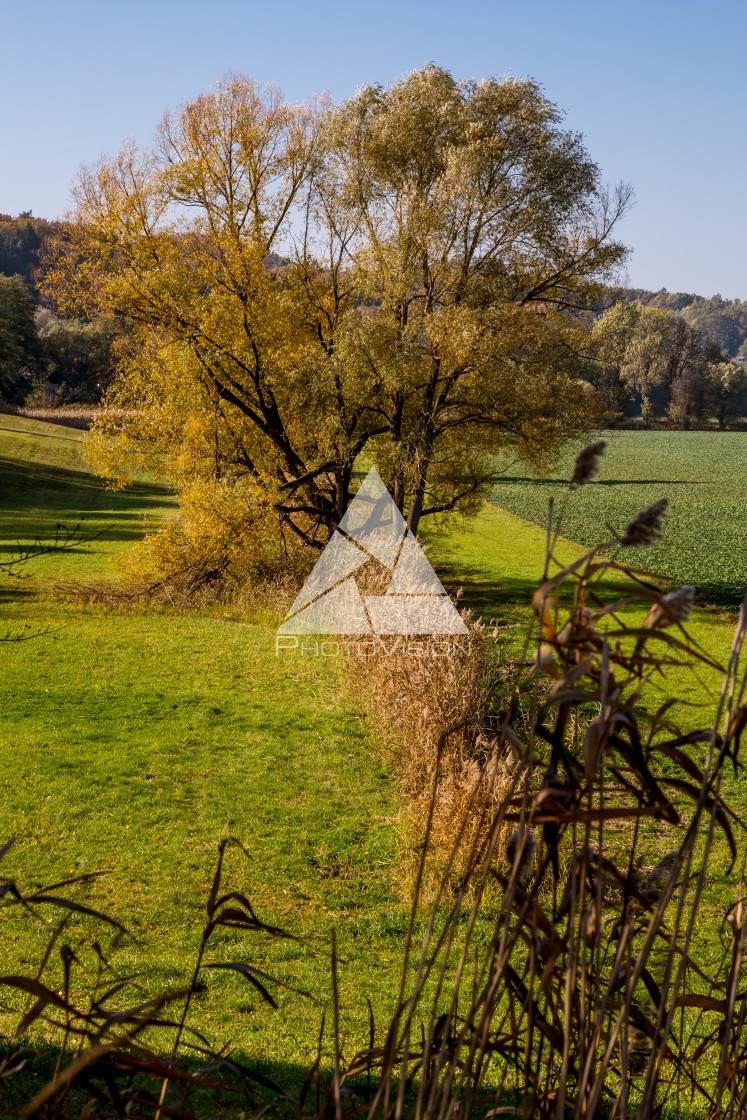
(35, 498)
(563, 483)
(492, 598)
(21, 480)
(240, 1094)
(41, 526)
(482, 593)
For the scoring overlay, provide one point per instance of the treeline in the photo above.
(45, 358)
(721, 322)
(650, 361)
(22, 241)
(660, 354)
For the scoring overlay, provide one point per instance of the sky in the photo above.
(657, 88)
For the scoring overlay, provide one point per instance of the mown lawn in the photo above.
(44, 481)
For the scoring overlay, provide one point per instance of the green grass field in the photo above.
(131, 743)
(704, 475)
(498, 560)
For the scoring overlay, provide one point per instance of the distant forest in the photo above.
(69, 360)
(21, 245)
(721, 322)
(45, 358)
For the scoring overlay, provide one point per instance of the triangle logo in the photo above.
(415, 601)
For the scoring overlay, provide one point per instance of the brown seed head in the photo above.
(678, 606)
(587, 463)
(646, 529)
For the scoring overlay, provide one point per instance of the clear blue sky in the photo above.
(657, 88)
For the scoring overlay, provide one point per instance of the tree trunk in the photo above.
(418, 496)
(416, 506)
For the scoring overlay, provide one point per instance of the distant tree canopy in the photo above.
(22, 241)
(663, 359)
(721, 322)
(21, 352)
(79, 356)
(67, 360)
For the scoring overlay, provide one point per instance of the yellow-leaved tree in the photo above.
(402, 278)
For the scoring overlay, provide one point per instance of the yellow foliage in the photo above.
(441, 242)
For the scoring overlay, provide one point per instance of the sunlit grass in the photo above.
(131, 743)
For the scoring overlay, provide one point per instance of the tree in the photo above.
(22, 244)
(611, 337)
(633, 343)
(21, 354)
(79, 355)
(648, 351)
(478, 229)
(723, 323)
(684, 362)
(688, 396)
(441, 241)
(725, 387)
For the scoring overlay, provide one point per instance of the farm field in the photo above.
(132, 742)
(497, 560)
(704, 475)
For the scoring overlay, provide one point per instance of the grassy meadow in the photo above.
(132, 742)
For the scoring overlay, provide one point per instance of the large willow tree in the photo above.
(400, 278)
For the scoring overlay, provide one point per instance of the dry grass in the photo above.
(195, 576)
(72, 416)
(410, 699)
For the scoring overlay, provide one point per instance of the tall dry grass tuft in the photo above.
(412, 690)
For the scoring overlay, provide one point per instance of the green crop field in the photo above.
(704, 476)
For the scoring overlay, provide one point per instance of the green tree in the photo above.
(478, 229)
(684, 365)
(726, 387)
(22, 245)
(632, 343)
(21, 354)
(688, 397)
(79, 355)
